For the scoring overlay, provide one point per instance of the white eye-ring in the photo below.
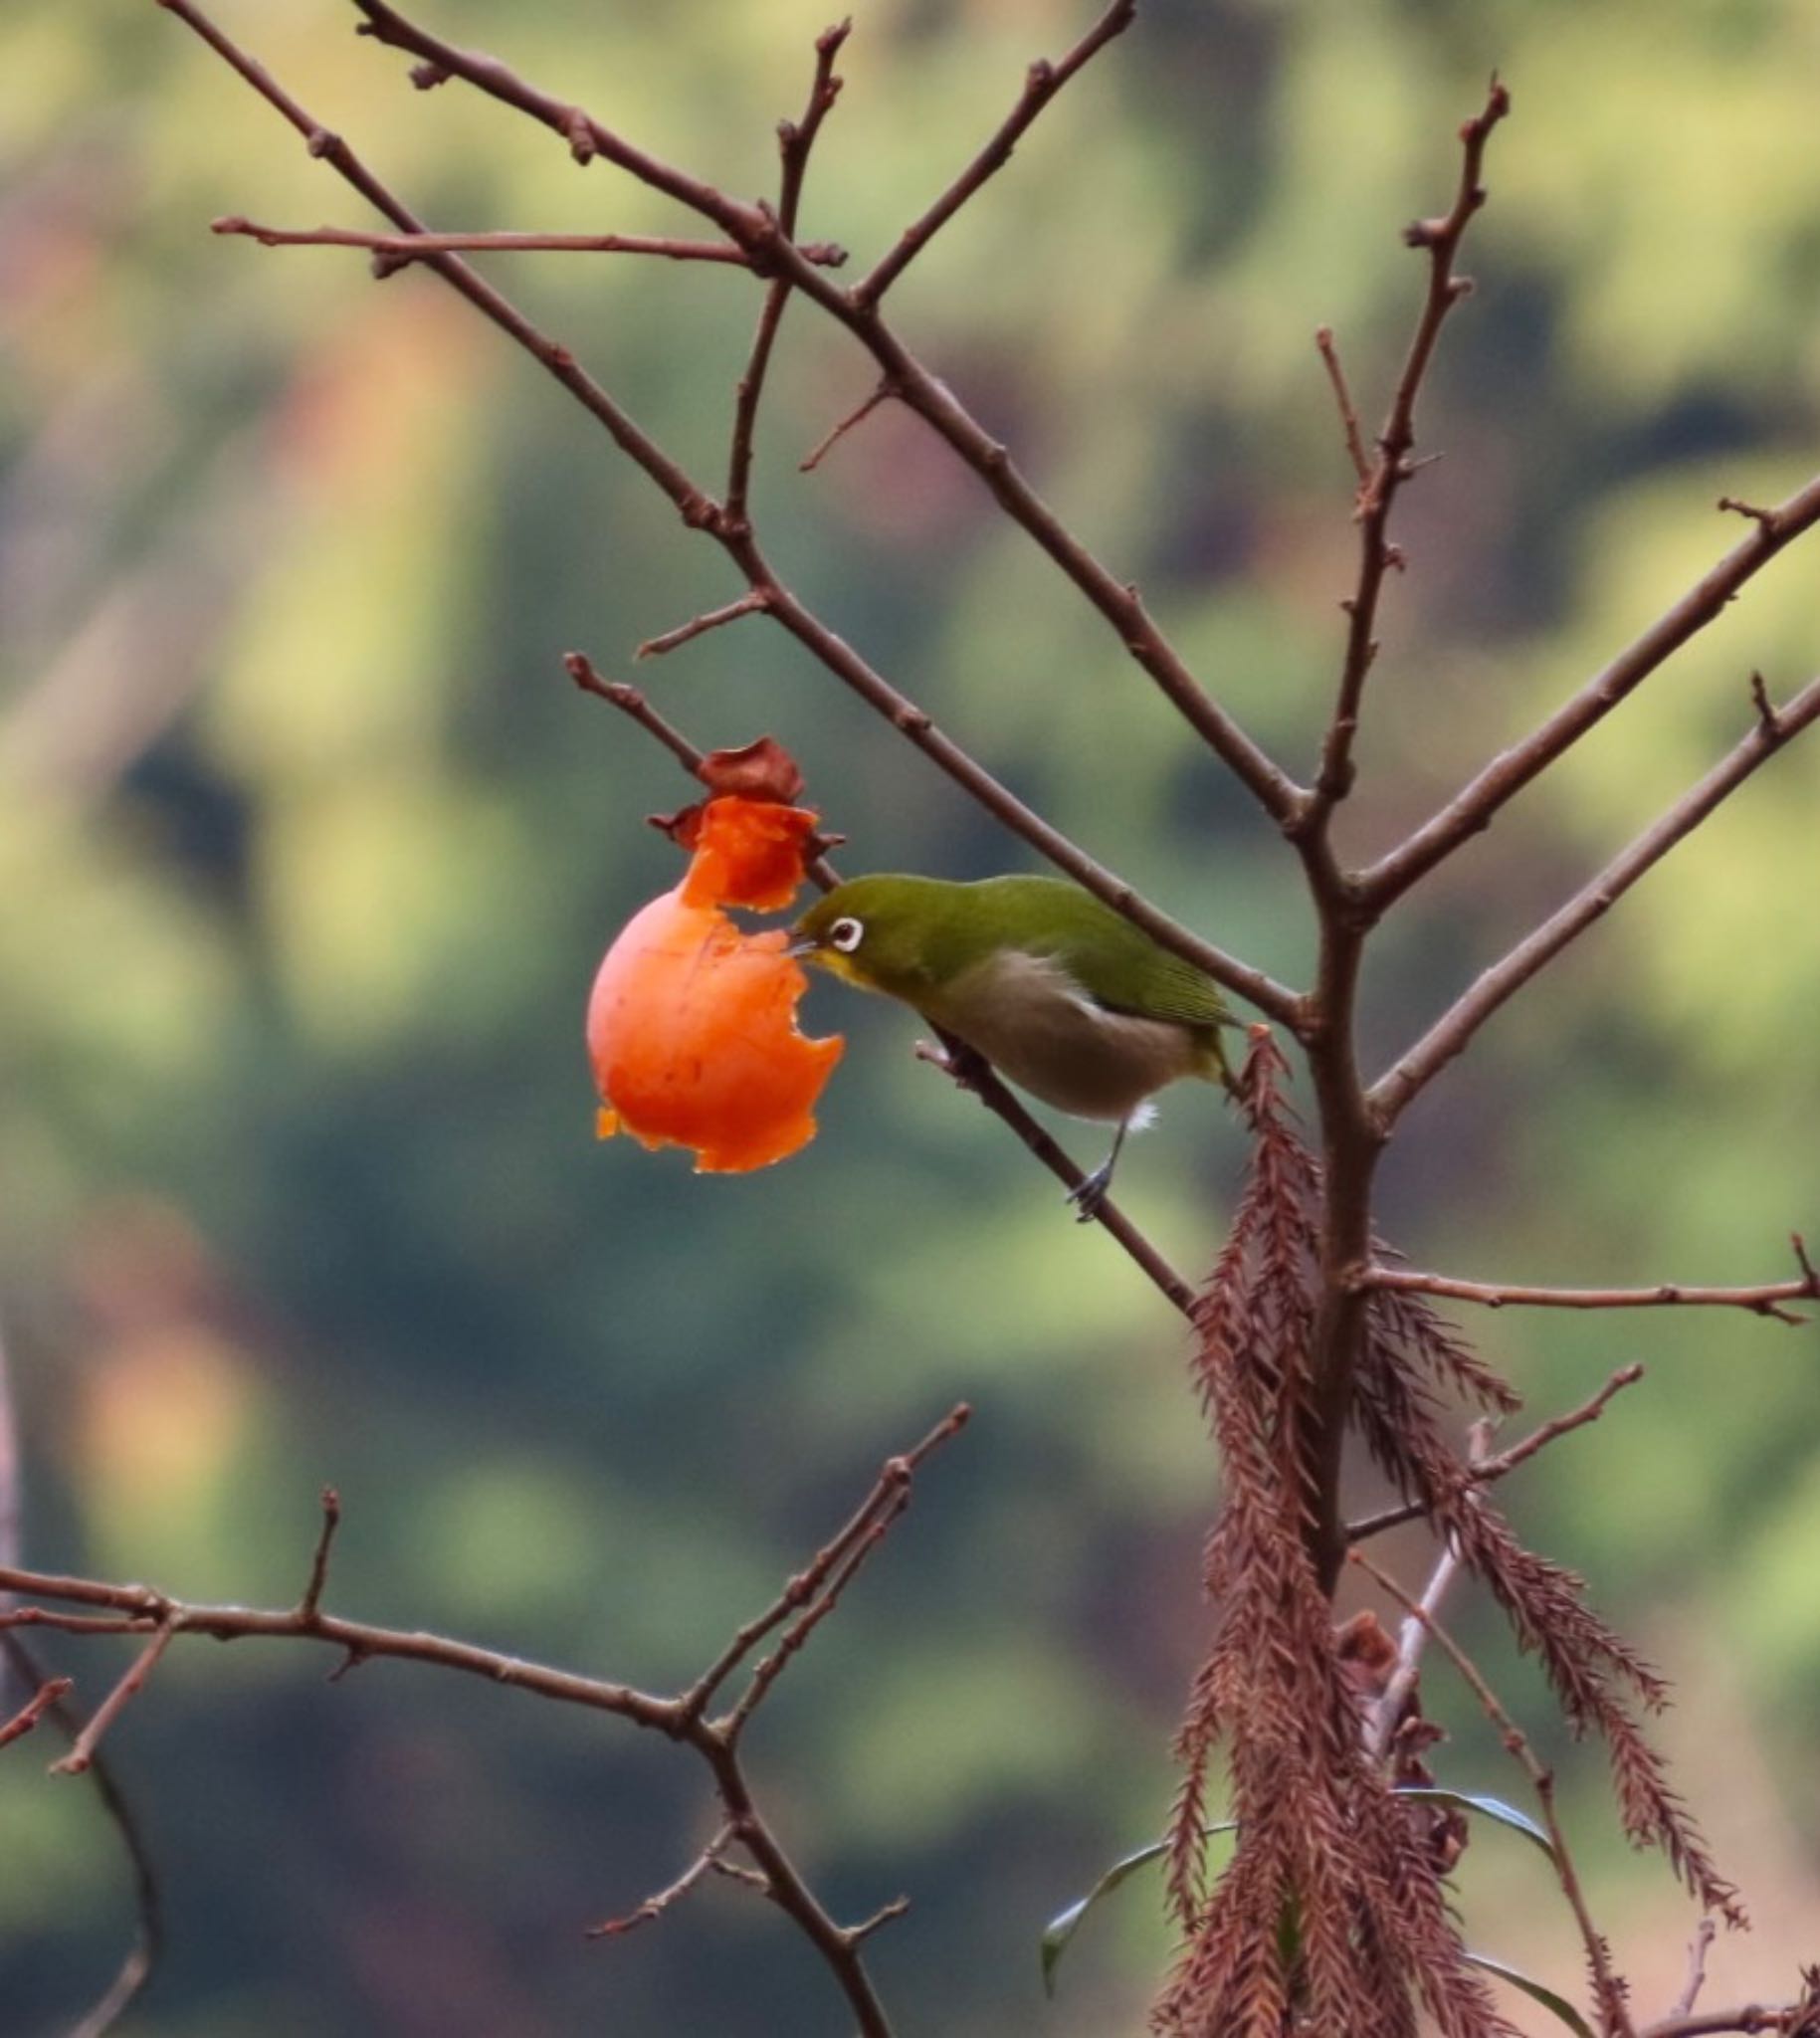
(846, 935)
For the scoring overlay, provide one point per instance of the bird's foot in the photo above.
(1089, 1194)
(962, 1064)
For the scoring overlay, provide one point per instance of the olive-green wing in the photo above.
(1108, 957)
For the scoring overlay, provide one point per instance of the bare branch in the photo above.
(1496, 1467)
(1450, 1033)
(1349, 410)
(690, 500)
(111, 1707)
(1441, 239)
(1763, 1300)
(629, 701)
(970, 1068)
(1703, 1934)
(838, 1945)
(1388, 1707)
(832, 437)
(35, 1708)
(1351, 1134)
(757, 231)
(412, 247)
(795, 138)
(888, 1498)
(754, 603)
(1753, 511)
(1041, 84)
(1474, 806)
(886, 1913)
(141, 1957)
(311, 1602)
(1753, 2017)
(1760, 700)
(1608, 1988)
(138, 1608)
(654, 1907)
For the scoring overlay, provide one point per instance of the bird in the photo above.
(1065, 997)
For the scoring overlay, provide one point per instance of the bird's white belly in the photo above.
(1038, 1028)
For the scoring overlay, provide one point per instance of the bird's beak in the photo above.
(801, 944)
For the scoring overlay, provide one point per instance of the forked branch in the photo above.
(1381, 483)
(1477, 804)
(1767, 1300)
(1041, 84)
(1608, 1990)
(758, 230)
(78, 1605)
(1483, 1471)
(1455, 1028)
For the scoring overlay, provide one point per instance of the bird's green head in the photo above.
(885, 934)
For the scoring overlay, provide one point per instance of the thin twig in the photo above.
(311, 1602)
(795, 139)
(412, 247)
(971, 1070)
(1349, 410)
(1451, 1031)
(141, 1957)
(751, 604)
(138, 1608)
(1388, 1707)
(654, 1906)
(1767, 718)
(629, 701)
(35, 1708)
(1753, 2017)
(1762, 1301)
(1041, 84)
(1609, 1990)
(1379, 485)
(1492, 1469)
(1352, 1134)
(886, 1500)
(135, 1606)
(1698, 1948)
(795, 1636)
(835, 433)
(886, 1913)
(111, 1707)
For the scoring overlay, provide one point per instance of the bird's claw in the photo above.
(1089, 1194)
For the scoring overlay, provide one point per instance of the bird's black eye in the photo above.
(846, 935)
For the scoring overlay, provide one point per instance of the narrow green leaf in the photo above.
(1063, 1926)
(1559, 2005)
(1486, 1807)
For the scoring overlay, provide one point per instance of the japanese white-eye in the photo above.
(1065, 997)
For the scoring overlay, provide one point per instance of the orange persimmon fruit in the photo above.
(692, 1025)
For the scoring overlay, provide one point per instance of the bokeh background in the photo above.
(308, 851)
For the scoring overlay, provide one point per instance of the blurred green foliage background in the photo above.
(307, 852)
